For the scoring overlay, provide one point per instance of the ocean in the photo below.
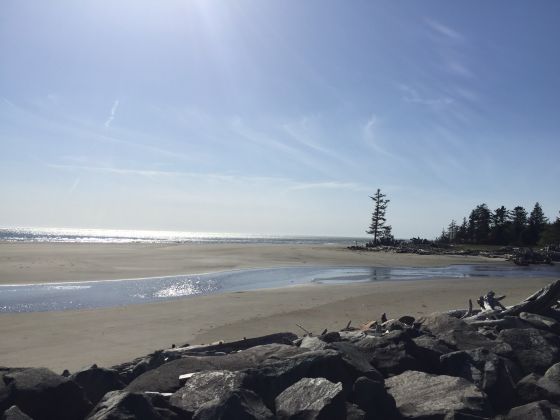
(121, 236)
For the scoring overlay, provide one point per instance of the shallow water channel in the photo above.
(107, 293)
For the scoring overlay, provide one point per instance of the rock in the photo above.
(534, 350)
(495, 375)
(541, 322)
(313, 343)
(203, 387)
(408, 320)
(96, 382)
(540, 410)
(553, 372)
(533, 388)
(430, 349)
(421, 395)
(14, 413)
(352, 355)
(120, 405)
(463, 416)
(165, 378)
(241, 404)
(234, 346)
(391, 354)
(372, 397)
(311, 398)
(163, 407)
(42, 394)
(393, 325)
(353, 412)
(459, 335)
(331, 337)
(271, 379)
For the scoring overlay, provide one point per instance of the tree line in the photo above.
(503, 227)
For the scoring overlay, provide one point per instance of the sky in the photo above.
(278, 116)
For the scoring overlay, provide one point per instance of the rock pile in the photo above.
(492, 363)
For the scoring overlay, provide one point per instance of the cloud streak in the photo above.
(112, 113)
(444, 31)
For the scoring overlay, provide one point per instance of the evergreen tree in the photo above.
(462, 231)
(536, 223)
(500, 222)
(518, 225)
(551, 233)
(452, 230)
(479, 224)
(378, 219)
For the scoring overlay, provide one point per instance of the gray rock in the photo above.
(42, 394)
(495, 375)
(311, 398)
(372, 397)
(421, 395)
(541, 322)
(203, 387)
(14, 413)
(120, 405)
(429, 350)
(96, 382)
(533, 387)
(313, 343)
(534, 350)
(240, 404)
(331, 337)
(271, 379)
(540, 410)
(355, 357)
(553, 372)
(353, 412)
(165, 378)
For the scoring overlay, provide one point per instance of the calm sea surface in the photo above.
(162, 236)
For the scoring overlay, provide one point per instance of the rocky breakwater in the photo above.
(488, 363)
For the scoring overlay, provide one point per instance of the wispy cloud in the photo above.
(371, 137)
(112, 113)
(330, 185)
(444, 30)
(412, 95)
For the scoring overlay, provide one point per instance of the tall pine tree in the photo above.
(377, 226)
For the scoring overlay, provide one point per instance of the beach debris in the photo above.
(496, 361)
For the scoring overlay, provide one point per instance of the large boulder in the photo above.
(42, 394)
(96, 382)
(420, 395)
(534, 387)
(119, 405)
(534, 350)
(203, 387)
(540, 410)
(429, 350)
(391, 354)
(493, 374)
(240, 404)
(271, 379)
(311, 398)
(372, 397)
(165, 378)
(14, 413)
(356, 358)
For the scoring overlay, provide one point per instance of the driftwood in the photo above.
(540, 303)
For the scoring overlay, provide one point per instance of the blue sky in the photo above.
(276, 116)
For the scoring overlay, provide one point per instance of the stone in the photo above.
(495, 375)
(311, 398)
(205, 386)
(353, 412)
(421, 395)
(14, 413)
(271, 379)
(391, 353)
(539, 410)
(313, 343)
(331, 337)
(534, 350)
(165, 378)
(408, 320)
(121, 405)
(372, 397)
(430, 349)
(42, 394)
(534, 387)
(541, 322)
(352, 355)
(96, 382)
(553, 372)
(240, 404)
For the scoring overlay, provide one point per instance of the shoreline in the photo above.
(32, 263)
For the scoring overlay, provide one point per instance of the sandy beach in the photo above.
(74, 339)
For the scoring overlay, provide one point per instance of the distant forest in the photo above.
(514, 227)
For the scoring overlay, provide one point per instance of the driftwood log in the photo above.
(493, 313)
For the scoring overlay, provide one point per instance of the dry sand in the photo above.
(75, 339)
